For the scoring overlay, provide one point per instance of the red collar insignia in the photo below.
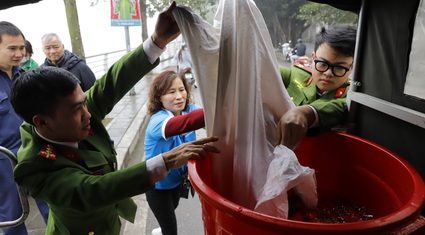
(339, 92)
(48, 152)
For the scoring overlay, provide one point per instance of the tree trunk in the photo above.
(74, 28)
(278, 32)
(144, 17)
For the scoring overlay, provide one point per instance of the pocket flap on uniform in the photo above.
(94, 159)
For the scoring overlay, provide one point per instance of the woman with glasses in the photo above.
(319, 93)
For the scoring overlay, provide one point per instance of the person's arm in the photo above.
(178, 156)
(330, 113)
(185, 123)
(311, 120)
(65, 184)
(293, 126)
(159, 166)
(285, 74)
(128, 70)
(166, 29)
(152, 50)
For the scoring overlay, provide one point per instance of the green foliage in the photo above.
(323, 14)
(281, 19)
(288, 19)
(202, 7)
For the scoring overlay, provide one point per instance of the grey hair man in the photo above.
(58, 56)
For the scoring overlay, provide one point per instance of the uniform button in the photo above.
(91, 233)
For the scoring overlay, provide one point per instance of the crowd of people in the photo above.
(51, 118)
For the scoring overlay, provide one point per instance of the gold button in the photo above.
(91, 233)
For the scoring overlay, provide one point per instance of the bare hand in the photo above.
(178, 156)
(293, 126)
(166, 29)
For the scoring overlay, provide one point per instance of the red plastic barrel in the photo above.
(347, 166)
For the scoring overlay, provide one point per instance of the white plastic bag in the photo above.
(285, 173)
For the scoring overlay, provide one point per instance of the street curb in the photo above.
(129, 140)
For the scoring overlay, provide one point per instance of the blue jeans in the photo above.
(10, 205)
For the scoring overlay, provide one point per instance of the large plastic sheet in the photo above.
(415, 82)
(241, 91)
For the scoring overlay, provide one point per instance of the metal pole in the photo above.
(128, 48)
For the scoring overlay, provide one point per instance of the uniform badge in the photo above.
(339, 92)
(48, 152)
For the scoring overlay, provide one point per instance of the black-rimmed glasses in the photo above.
(337, 70)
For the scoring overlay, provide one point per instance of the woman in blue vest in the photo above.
(173, 122)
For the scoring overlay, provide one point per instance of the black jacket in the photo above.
(74, 64)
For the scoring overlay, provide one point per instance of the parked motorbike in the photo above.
(189, 77)
(286, 50)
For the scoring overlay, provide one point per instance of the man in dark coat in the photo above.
(57, 56)
(299, 50)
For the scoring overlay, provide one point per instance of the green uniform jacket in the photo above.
(331, 107)
(85, 192)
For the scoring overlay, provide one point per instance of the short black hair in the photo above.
(28, 47)
(7, 28)
(342, 38)
(38, 91)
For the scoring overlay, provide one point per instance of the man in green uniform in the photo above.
(320, 92)
(67, 158)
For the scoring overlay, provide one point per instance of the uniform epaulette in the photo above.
(48, 152)
(301, 66)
